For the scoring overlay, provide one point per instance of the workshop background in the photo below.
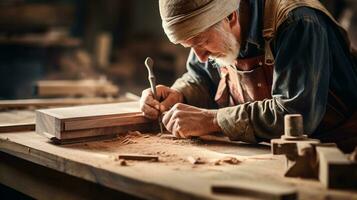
(105, 41)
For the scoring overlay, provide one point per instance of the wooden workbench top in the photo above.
(173, 177)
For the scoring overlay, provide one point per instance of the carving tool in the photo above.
(149, 63)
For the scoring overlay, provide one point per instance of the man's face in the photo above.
(217, 43)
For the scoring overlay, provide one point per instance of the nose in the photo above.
(201, 54)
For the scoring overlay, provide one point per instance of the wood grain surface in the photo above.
(173, 177)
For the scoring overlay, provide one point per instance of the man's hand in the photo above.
(152, 108)
(184, 121)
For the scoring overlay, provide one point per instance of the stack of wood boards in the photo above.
(65, 88)
(57, 102)
(28, 17)
(79, 123)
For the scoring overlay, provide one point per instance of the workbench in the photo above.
(29, 163)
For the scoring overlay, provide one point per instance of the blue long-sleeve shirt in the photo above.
(311, 58)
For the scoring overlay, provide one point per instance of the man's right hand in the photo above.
(168, 97)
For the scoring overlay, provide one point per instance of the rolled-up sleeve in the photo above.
(197, 85)
(300, 85)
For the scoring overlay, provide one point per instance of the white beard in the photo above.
(232, 49)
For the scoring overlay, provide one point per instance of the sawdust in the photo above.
(170, 150)
(228, 160)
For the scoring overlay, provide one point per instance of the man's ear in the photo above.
(233, 19)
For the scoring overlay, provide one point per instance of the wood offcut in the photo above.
(335, 169)
(139, 157)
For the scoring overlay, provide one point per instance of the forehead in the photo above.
(196, 40)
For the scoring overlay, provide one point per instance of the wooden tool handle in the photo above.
(149, 63)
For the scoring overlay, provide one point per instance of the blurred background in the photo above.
(48, 46)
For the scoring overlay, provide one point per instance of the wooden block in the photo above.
(139, 157)
(71, 123)
(335, 170)
(255, 189)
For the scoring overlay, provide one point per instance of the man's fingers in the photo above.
(168, 122)
(179, 110)
(177, 130)
(152, 102)
(167, 103)
(148, 105)
(167, 117)
(149, 111)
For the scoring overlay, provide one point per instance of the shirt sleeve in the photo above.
(197, 84)
(300, 85)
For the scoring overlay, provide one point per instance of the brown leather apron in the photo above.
(250, 81)
(251, 78)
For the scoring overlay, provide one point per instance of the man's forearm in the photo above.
(195, 92)
(252, 122)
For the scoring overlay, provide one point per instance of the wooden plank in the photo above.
(255, 189)
(89, 121)
(335, 170)
(5, 128)
(17, 120)
(92, 88)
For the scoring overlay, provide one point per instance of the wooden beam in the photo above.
(73, 123)
(335, 170)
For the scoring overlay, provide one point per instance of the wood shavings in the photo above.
(134, 133)
(196, 161)
(130, 137)
(228, 160)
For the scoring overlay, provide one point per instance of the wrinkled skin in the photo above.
(152, 107)
(181, 120)
(184, 121)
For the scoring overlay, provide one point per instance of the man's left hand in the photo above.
(183, 121)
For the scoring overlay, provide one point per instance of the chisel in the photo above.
(149, 63)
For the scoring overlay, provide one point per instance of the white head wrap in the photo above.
(183, 19)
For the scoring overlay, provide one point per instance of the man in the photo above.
(251, 63)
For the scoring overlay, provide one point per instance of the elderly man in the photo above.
(251, 63)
